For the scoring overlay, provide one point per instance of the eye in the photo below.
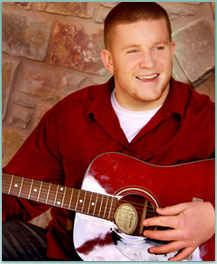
(133, 51)
(159, 48)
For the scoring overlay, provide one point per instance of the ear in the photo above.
(173, 45)
(107, 60)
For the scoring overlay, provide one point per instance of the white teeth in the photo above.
(147, 77)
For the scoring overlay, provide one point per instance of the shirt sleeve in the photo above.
(38, 158)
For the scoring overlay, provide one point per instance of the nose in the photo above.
(147, 60)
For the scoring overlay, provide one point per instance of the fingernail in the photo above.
(150, 250)
(145, 222)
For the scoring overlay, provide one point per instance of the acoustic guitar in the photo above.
(117, 194)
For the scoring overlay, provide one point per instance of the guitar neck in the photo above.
(85, 202)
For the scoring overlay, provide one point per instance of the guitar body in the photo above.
(132, 180)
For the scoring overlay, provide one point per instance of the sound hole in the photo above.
(131, 210)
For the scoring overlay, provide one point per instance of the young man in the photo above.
(141, 112)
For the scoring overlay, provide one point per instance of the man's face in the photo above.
(140, 57)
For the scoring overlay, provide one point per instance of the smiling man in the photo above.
(141, 112)
(140, 56)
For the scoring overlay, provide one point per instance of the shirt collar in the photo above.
(174, 103)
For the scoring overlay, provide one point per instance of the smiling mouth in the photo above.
(147, 77)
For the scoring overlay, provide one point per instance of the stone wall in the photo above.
(53, 49)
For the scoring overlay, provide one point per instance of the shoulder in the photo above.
(77, 101)
(192, 99)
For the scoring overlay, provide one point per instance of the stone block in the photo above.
(77, 9)
(20, 117)
(109, 4)
(74, 46)
(208, 87)
(24, 101)
(12, 140)
(43, 82)
(178, 9)
(22, 5)
(25, 35)
(178, 73)
(8, 69)
(101, 13)
(195, 49)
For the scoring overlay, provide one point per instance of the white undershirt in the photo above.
(131, 122)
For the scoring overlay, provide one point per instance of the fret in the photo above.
(15, 187)
(21, 185)
(64, 195)
(48, 192)
(59, 197)
(85, 194)
(89, 203)
(24, 191)
(35, 186)
(109, 215)
(55, 198)
(30, 189)
(79, 201)
(100, 208)
(52, 194)
(43, 190)
(105, 207)
(92, 204)
(39, 192)
(70, 202)
(95, 204)
(67, 197)
(76, 206)
(9, 191)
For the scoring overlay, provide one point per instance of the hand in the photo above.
(192, 224)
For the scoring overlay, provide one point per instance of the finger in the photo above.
(166, 235)
(164, 221)
(185, 253)
(167, 248)
(172, 210)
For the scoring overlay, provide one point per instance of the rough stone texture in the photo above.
(192, 42)
(101, 14)
(22, 5)
(176, 10)
(24, 101)
(8, 69)
(20, 117)
(208, 87)
(42, 82)
(75, 48)
(24, 35)
(84, 10)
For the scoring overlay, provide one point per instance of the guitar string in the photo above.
(103, 207)
(140, 207)
(53, 192)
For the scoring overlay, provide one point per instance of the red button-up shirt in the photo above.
(84, 125)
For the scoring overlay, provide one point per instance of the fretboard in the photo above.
(85, 202)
